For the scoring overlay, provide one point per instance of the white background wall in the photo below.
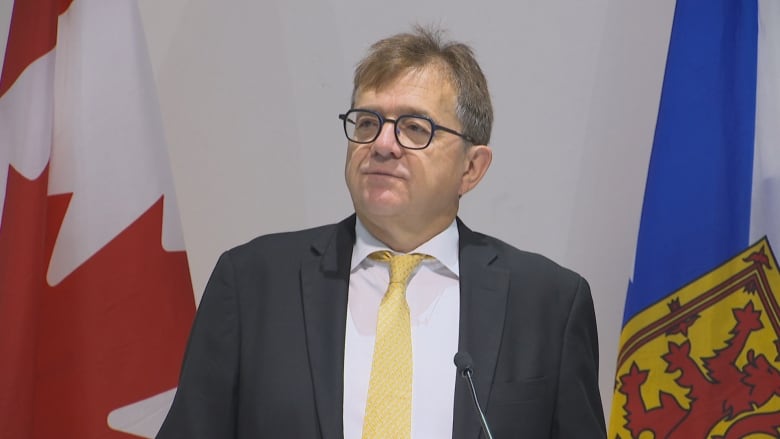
(250, 92)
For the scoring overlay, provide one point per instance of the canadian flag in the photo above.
(95, 293)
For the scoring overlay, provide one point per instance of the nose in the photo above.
(386, 145)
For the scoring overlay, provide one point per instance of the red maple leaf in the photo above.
(111, 333)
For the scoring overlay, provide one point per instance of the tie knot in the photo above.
(401, 265)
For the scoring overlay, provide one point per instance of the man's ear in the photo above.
(476, 164)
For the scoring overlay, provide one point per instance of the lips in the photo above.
(383, 173)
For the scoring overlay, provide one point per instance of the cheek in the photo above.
(447, 170)
(355, 155)
(351, 158)
(450, 179)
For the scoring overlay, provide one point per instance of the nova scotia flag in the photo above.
(701, 336)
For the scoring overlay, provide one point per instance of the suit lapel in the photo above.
(324, 286)
(483, 293)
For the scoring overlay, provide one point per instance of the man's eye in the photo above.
(365, 123)
(415, 127)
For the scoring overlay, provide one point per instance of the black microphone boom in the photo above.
(463, 363)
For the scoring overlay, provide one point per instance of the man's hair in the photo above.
(394, 56)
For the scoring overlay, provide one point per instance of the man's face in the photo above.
(412, 189)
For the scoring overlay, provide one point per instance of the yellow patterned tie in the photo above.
(389, 404)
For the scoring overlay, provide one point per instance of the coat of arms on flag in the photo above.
(704, 361)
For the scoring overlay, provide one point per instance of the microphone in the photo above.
(463, 363)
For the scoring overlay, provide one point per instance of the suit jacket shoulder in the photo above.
(295, 244)
(522, 264)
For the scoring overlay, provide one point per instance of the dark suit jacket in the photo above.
(266, 353)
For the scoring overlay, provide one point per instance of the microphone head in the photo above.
(463, 362)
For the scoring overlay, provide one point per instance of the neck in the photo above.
(403, 239)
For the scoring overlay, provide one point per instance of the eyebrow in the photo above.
(408, 111)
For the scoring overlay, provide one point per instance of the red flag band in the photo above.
(95, 293)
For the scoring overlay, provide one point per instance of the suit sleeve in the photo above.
(578, 409)
(205, 401)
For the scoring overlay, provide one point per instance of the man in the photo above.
(295, 336)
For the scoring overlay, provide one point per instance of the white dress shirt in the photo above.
(433, 294)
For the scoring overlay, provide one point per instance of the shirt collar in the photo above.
(443, 247)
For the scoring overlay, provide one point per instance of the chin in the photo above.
(375, 199)
(381, 207)
(382, 210)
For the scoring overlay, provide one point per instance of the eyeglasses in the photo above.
(411, 132)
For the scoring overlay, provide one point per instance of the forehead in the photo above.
(425, 91)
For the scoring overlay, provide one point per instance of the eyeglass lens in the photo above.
(411, 131)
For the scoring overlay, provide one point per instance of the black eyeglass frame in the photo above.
(383, 120)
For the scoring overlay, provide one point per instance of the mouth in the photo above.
(381, 173)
